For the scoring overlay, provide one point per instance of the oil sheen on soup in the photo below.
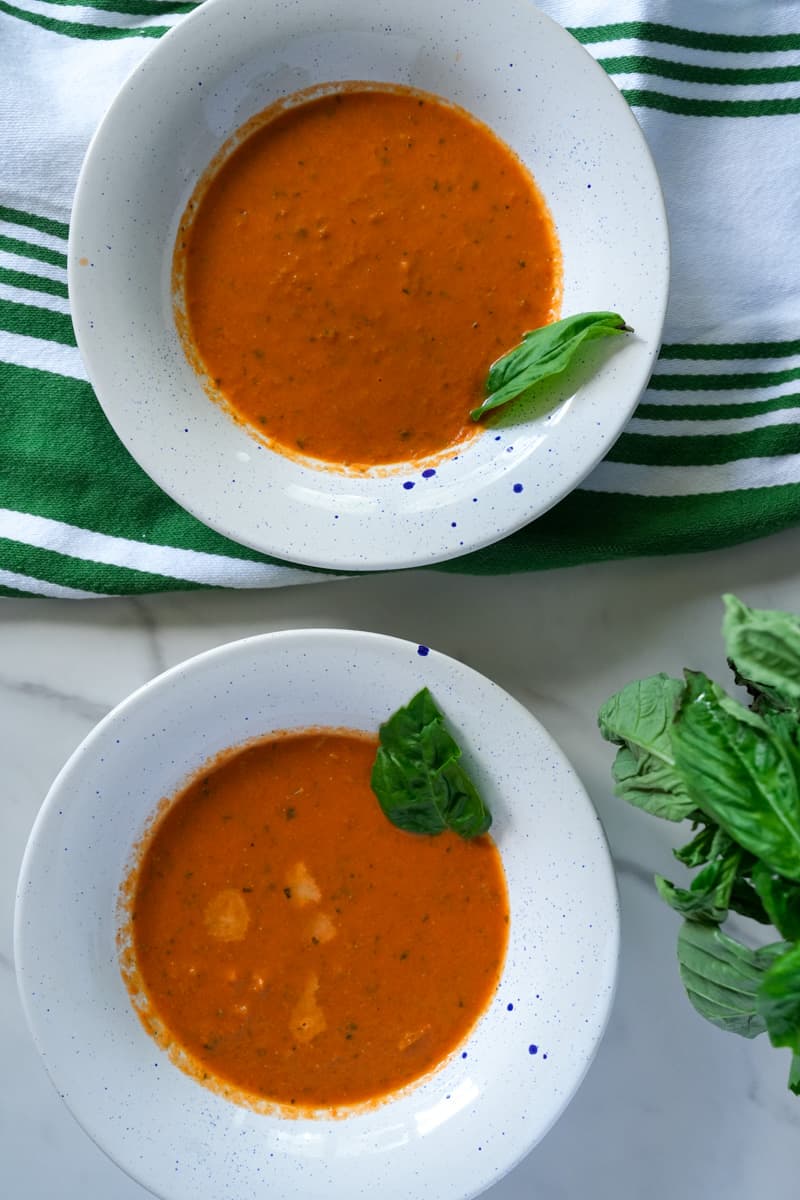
(286, 940)
(346, 275)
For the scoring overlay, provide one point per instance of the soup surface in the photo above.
(293, 943)
(346, 276)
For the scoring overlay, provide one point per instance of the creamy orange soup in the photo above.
(292, 943)
(346, 276)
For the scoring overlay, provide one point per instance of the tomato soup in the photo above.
(345, 276)
(287, 940)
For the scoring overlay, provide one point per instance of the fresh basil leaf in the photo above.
(745, 900)
(466, 812)
(405, 797)
(721, 843)
(546, 342)
(711, 842)
(722, 978)
(417, 777)
(739, 773)
(763, 700)
(708, 897)
(642, 713)
(785, 729)
(717, 878)
(543, 353)
(767, 955)
(698, 850)
(778, 1000)
(417, 728)
(695, 906)
(764, 648)
(638, 718)
(650, 784)
(794, 1075)
(781, 900)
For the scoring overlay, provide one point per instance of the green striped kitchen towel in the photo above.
(711, 456)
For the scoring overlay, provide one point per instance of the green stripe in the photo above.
(686, 106)
(695, 39)
(15, 593)
(716, 412)
(132, 8)
(108, 33)
(31, 250)
(35, 283)
(586, 527)
(52, 428)
(36, 322)
(730, 349)
(643, 64)
(86, 575)
(16, 216)
(598, 526)
(716, 383)
(705, 449)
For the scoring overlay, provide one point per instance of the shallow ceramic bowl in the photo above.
(504, 62)
(463, 1126)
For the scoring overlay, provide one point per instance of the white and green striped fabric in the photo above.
(712, 455)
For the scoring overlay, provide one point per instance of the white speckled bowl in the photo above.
(463, 1126)
(502, 60)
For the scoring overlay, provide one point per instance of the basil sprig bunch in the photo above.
(690, 751)
(420, 783)
(543, 353)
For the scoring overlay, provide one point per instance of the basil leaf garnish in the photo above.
(418, 778)
(543, 353)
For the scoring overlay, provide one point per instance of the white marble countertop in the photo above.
(671, 1108)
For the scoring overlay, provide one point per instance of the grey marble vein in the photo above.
(148, 624)
(80, 705)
